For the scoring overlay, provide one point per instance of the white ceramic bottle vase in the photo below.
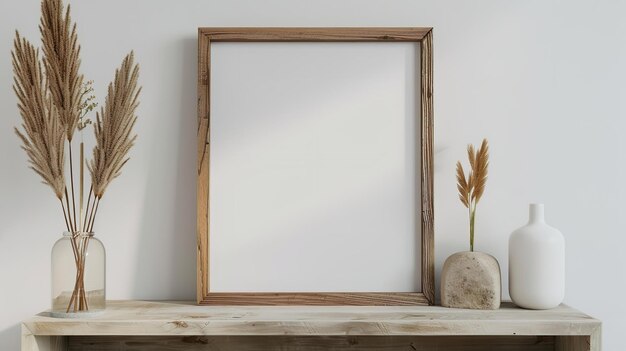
(537, 263)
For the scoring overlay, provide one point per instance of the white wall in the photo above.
(543, 80)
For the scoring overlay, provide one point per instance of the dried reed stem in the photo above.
(91, 214)
(79, 296)
(67, 203)
(93, 217)
(87, 208)
(82, 179)
(84, 302)
(72, 185)
(67, 225)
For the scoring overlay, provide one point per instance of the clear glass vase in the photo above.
(78, 275)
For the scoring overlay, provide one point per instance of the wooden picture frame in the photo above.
(423, 36)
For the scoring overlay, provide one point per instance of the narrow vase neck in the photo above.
(78, 234)
(536, 213)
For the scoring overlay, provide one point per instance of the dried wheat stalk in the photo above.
(472, 187)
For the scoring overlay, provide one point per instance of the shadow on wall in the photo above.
(11, 336)
(169, 271)
(448, 248)
(440, 245)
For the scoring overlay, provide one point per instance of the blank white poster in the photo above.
(314, 167)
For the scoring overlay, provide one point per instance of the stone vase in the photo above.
(471, 280)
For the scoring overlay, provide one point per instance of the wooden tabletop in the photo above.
(186, 318)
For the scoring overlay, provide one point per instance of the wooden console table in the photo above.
(152, 325)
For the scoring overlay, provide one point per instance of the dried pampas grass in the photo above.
(62, 62)
(113, 127)
(472, 187)
(43, 136)
(53, 101)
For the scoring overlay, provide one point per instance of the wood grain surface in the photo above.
(271, 34)
(427, 139)
(171, 325)
(186, 318)
(316, 299)
(202, 184)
